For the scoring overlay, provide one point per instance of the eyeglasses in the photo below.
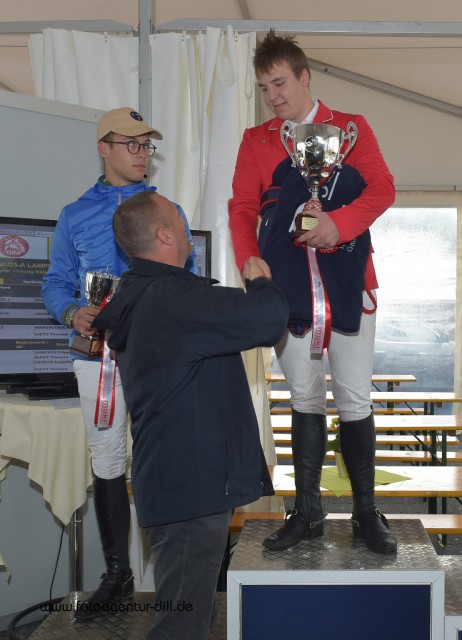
(134, 146)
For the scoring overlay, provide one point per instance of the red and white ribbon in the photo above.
(322, 317)
(105, 403)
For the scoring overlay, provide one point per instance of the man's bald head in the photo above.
(148, 225)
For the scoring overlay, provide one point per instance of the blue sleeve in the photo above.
(62, 279)
(191, 263)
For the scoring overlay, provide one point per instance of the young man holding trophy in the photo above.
(85, 266)
(318, 180)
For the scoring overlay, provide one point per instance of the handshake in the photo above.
(255, 267)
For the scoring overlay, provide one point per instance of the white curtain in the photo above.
(203, 97)
(89, 69)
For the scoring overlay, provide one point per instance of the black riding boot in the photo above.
(113, 516)
(305, 520)
(357, 442)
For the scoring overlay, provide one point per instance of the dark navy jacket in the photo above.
(178, 338)
(343, 271)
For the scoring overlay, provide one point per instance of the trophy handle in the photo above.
(350, 137)
(286, 133)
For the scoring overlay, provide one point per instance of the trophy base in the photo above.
(88, 347)
(304, 222)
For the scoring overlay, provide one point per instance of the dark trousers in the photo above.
(187, 562)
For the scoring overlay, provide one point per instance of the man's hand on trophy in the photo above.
(255, 267)
(324, 235)
(83, 319)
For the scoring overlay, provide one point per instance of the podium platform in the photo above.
(335, 587)
(418, 589)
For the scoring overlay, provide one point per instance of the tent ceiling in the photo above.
(419, 62)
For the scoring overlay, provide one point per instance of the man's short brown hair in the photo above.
(136, 222)
(275, 49)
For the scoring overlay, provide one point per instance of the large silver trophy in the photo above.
(99, 289)
(316, 150)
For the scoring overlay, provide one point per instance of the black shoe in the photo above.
(114, 588)
(295, 528)
(373, 527)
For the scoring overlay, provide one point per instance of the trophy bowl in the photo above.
(316, 150)
(99, 289)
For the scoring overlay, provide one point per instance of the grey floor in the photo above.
(131, 625)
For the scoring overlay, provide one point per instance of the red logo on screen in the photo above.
(13, 246)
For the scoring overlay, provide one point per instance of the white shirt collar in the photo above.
(312, 114)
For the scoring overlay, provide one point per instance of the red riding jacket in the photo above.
(260, 153)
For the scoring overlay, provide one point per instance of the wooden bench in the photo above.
(438, 427)
(434, 524)
(422, 481)
(392, 411)
(386, 455)
(384, 423)
(391, 440)
(390, 379)
(429, 399)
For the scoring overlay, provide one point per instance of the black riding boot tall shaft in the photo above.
(357, 442)
(305, 520)
(112, 510)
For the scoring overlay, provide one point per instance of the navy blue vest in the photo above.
(343, 271)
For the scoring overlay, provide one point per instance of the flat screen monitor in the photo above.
(34, 348)
(203, 246)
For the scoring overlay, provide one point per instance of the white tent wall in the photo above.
(48, 155)
(422, 146)
(48, 159)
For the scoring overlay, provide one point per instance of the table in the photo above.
(53, 442)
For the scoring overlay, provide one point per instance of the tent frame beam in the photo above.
(389, 89)
(37, 26)
(323, 27)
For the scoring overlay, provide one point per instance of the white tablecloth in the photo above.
(53, 442)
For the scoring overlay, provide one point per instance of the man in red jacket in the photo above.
(334, 257)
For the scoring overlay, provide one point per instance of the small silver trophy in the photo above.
(99, 289)
(316, 151)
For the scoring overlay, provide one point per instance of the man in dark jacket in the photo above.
(196, 448)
